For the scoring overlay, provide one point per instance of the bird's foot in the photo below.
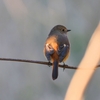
(63, 66)
(49, 63)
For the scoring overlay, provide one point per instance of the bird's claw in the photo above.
(49, 63)
(63, 66)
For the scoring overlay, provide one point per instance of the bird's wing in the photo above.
(63, 51)
(48, 51)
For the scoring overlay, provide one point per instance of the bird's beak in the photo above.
(68, 30)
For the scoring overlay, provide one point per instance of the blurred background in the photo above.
(24, 27)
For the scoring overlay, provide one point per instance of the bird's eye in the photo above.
(63, 30)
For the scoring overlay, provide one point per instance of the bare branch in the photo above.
(37, 62)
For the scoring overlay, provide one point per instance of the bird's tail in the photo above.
(55, 70)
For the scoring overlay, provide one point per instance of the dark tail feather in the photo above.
(55, 70)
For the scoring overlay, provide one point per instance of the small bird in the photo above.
(57, 47)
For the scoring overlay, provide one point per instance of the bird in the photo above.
(57, 47)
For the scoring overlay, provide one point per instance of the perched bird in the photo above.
(57, 47)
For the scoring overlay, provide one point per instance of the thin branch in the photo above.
(38, 62)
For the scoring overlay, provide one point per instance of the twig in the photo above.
(37, 62)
